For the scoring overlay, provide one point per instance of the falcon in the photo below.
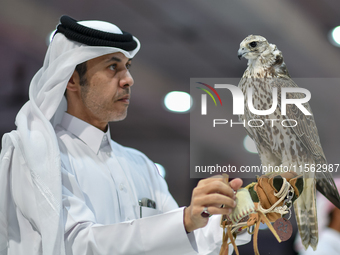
(294, 145)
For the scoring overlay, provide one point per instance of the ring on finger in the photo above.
(205, 213)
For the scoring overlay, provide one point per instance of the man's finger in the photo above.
(218, 186)
(217, 210)
(215, 199)
(209, 180)
(236, 184)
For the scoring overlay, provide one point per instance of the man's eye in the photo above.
(128, 66)
(113, 67)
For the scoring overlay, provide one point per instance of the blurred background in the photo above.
(182, 40)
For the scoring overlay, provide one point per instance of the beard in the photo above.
(104, 109)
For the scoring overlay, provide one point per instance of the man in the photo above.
(67, 188)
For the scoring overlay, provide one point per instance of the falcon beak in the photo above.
(241, 52)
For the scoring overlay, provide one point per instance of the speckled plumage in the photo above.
(287, 146)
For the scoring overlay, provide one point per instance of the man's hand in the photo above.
(211, 193)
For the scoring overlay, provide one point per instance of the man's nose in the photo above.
(126, 79)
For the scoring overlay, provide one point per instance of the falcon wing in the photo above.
(307, 132)
(306, 129)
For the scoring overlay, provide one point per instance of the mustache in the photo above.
(125, 92)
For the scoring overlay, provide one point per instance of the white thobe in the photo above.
(102, 184)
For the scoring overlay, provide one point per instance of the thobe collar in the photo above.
(90, 135)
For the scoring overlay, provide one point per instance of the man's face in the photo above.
(106, 94)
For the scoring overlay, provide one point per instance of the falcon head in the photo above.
(252, 47)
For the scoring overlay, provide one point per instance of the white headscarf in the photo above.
(35, 141)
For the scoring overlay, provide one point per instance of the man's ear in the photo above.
(73, 84)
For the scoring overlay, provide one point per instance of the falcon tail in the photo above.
(306, 217)
(327, 188)
(325, 184)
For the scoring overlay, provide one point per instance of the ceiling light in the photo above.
(249, 145)
(178, 101)
(161, 169)
(50, 37)
(334, 36)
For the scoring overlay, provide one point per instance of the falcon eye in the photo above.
(253, 44)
